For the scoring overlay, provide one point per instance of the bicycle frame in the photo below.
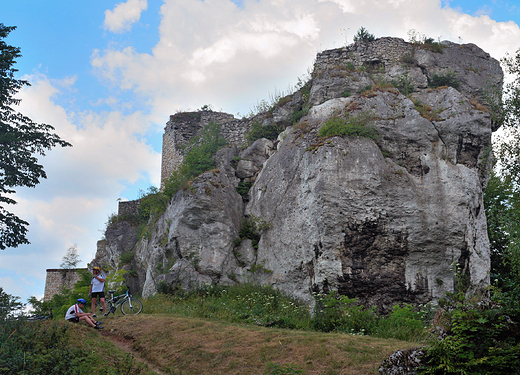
(125, 301)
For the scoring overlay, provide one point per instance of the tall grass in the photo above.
(243, 303)
(359, 125)
(266, 306)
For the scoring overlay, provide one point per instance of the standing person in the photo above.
(75, 314)
(97, 289)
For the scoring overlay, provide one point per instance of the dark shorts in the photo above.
(74, 320)
(98, 294)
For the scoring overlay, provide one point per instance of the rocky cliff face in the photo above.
(385, 218)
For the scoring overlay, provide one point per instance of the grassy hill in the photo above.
(169, 344)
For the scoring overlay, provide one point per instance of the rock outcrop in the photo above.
(394, 215)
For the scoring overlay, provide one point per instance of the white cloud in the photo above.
(124, 15)
(213, 52)
(84, 181)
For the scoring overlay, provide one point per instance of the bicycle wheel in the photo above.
(135, 309)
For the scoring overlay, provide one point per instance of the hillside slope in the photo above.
(179, 345)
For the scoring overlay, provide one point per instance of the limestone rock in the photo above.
(384, 218)
(402, 362)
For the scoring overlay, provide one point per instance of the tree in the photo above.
(9, 305)
(502, 195)
(363, 35)
(71, 258)
(508, 145)
(20, 141)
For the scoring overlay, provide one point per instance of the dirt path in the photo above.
(125, 343)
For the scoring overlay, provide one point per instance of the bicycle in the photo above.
(129, 305)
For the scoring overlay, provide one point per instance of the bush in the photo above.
(477, 337)
(243, 189)
(403, 323)
(252, 229)
(404, 84)
(431, 45)
(258, 131)
(448, 79)
(351, 126)
(342, 314)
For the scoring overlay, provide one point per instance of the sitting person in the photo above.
(75, 315)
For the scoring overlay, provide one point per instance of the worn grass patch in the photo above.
(184, 345)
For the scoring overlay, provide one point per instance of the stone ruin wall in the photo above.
(59, 279)
(382, 50)
(128, 207)
(184, 126)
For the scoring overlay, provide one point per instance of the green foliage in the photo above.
(115, 279)
(507, 112)
(252, 229)
(59, 303)
(258, 131)
(479, 338)
(199, 159)
(126, 258)
(278, 369)
(243, 189)
(153, 204)
(56, 348)
(424, 42)
(431, 45)
(242, 303)
(502, 204)
(9, 305)
(351, 126)
(403, 323)
(334, 312)
(404, 84)
(71, 258)
(363, 35)
(21, 140)
(447, 79)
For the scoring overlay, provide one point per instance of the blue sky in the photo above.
(108, 74)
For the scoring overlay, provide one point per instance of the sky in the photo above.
(108, 74)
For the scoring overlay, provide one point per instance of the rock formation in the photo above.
(395, 216)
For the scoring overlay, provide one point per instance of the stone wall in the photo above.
(184, 126)
(128, 207)
(59, 279)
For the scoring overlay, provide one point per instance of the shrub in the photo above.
(200, 158)
(243, 189)
(252, 229)
(448, 79)
(351, 126)
(403, 323)
(153, 204)
(342, 314)
(478, 337)
(431, 45)
(404, 84)
(258, 131)
(427, 111)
